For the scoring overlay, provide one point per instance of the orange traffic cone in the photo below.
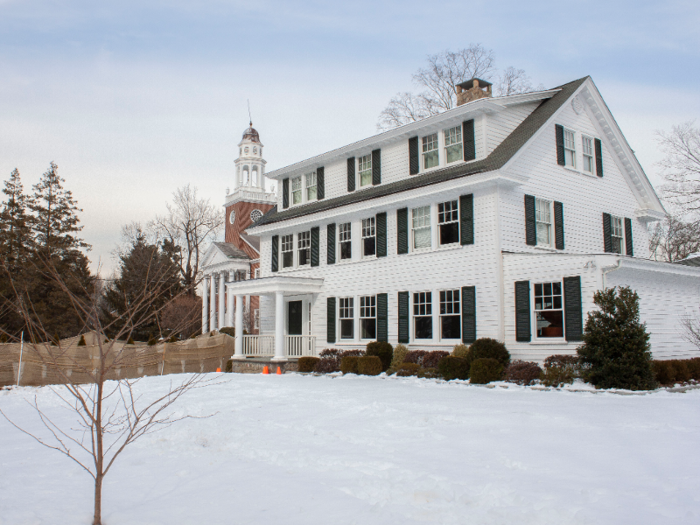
(218, 369)
(279, 371)
(266, 370)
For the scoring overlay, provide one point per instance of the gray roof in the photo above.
(496, 160)
(252, 240)
(230, 250)
(691, 260)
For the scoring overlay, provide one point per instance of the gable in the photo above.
(223, 253)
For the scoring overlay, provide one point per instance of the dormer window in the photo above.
(453, 144)
(310, 186)
(296, 190)
(431, 156)
(364, 167)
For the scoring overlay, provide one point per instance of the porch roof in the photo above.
(275, 284)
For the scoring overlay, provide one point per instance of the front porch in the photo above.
(264, 345)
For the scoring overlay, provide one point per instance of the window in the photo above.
(256, 319)
(543, 217)
(255, 215)
(453, 144)
(450, 320)
(448, 220)
(588, 154)
(368, 317)
(548, 310)
(347, 318)
(431, 157)
(345, 240)
(569, 149)
(369, 244)
(287, 251)
(420, 227)
(423, 315)
(296, 190)
(364, 165)
(310, 186)
(304, 244)
(256, 273)
(617, 234)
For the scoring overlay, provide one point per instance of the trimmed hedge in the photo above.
(672, 371)
(522, 372)
(400, 352)
(383, 350)
(561, 370)
(487, 348)
(348, 364)
(307, 363)
(408, 370)
(451, 367)
(432, 359)
(369, 365)
(484, 370)
(415, 356)
(460, 350)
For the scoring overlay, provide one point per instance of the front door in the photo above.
(295, 318)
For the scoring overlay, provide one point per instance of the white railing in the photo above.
(300, 345)
(259, 345)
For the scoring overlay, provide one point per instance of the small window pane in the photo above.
(368, 317)
(430, 151)
(569, 149)
(287, 251)
(453, 144)
(365, 168)
(304, 244)
(296, 190)
(369, 245)
(543, 217)
(345, 240)
(311, 186)
(420, 227)
(422, 315)
(587, 154)
(346, 315)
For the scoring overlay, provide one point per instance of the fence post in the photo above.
(21, 349)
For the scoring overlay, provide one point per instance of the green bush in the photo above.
(130, 341)
(152, 341)
(383, 350)
(408, 369)
(81, 342)
(487, 348)
(307, 363)
(451, 367)
(560, 370)
(400, 352)
(228, 330)
(172, 339)
(616, 347)
(348, 364)
(229, 366)
(460, 350)
(522, 372)
(369, 365)
(484, 370)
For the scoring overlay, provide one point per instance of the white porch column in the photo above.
(229, 301)
(212, 304)
(279, 327)
(239, 328)
(205, 298)
(222, 310)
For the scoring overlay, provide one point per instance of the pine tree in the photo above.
(616, 350)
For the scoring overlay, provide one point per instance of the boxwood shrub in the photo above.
(522, 372)
(451, 367)
(348, 364)
(369, 365)
(383, 350)
(484, 370)
(307, 363)
(487, 348)
(408, 369)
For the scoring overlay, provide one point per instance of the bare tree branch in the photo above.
(513, 81)
(681, 165)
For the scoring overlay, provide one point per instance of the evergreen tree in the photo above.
(616, 350)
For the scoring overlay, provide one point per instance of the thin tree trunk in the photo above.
(99, 463)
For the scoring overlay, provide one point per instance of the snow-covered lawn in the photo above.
(297, 449)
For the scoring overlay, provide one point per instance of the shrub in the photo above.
(172, 339)
(616, 344)
(152, 341)
(562, 360)
(329, 352)
(383, 350)
(307, 363)
(369, 365)
(348, 364)
(408, 369)
(694, 368)
(680, 366)
(664, 372)
(81, 342)
(484, 370)
(671, 371)
(431, 359)
(130, 341)
(327, 366)
(451, 367)
(460, 350)
(415, 356)
(400, 352)
(351, 353)
(487, 348)
(228, 330)
(229, 366)
(522, 372)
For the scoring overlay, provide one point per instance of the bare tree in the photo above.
(674, 239)
(681, 165)
(109, 415)
(513, 81)
(190, 224)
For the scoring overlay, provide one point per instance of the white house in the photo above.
(498, 218)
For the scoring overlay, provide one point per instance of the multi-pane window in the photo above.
(420, 227)
(287, 251)
(369, 237)
(453, 144)
(347, 318)
(448, 221)
(423, 315)
(617, 234)
(296, 190)
(548, 310)
(431, 157)
(450, 320)
(543, 217)
(569, 149)
(587, 154)
(304, 245)
(345, 240)
(364, 167)
(311, 186)
(368, 317)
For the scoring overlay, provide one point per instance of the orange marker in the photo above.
(266, 370)
(279, 371)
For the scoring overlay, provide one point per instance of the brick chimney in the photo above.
(473, 89)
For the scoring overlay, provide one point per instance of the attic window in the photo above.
(569, 148)
(431, 156)
(364, 165)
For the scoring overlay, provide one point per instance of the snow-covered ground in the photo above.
(297, 449)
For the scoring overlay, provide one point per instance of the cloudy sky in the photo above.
(133, 99)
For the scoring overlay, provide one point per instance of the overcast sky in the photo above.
(133, 99)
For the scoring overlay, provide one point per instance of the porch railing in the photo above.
(300, 345)
(264, 345)
(259, 345)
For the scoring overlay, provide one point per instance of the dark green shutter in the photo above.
(402, 230)
(381, 234)
(607, 233)
(522, 311)
(468, 140)
(629, 245)
(382, 318)
(403, 318)
(468, 314)
(558, 225)
(413, 163)
(559, 132)
(314, 246)
(351, 174)
(573, 314)
(530, 221)
(598, 158)
(320, 183)
(466, 219)
(330, 239)
(330, 320)
(376, 167)
(285, 193)
(275, 250)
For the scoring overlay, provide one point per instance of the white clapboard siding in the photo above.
(500, 125)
